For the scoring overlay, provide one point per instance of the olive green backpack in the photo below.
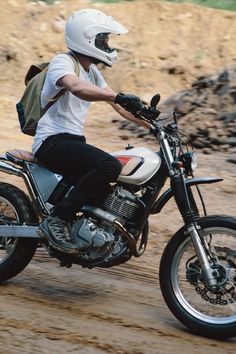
(29, 107)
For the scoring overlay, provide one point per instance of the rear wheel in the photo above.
(15, 253)
(205, 310)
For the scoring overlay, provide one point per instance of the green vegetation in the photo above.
(49, 2)
(109, 1)
(218, 4)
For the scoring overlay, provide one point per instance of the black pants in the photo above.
(90, 168)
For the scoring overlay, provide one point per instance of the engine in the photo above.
(100, 239)
(123, 204)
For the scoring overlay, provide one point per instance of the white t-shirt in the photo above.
(68, 113)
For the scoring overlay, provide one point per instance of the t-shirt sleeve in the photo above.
(60, 66)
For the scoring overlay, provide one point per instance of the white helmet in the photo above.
(87, 33)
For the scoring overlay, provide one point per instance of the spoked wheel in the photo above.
(15, 253)
(208, 311)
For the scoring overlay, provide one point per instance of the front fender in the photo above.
(167, 195)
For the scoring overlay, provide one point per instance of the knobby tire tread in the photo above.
(195, 325)
(25, 248)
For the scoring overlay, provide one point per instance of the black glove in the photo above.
(131, 103)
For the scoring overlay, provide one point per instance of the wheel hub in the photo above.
(224, 292)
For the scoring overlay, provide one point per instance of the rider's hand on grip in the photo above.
(131, 103)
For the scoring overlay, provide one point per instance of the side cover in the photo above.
(45, 180)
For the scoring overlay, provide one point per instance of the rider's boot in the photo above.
(57, 231)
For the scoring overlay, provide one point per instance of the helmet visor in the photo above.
(101, 42)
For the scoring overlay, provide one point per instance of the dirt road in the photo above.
(49, 309)
(53, 310)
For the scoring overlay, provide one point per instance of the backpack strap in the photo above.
(61, 93)
(95, 75)
(75, 60)
(53, 100)
(73, 56)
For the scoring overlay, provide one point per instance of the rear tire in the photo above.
(205, 311)
(15, 253)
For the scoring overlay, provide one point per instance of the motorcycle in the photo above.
(197, 271)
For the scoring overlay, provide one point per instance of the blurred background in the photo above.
(186, 51)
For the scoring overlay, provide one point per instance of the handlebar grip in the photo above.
(150, 113)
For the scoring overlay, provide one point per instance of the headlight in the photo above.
(189, 161)
(194, 161)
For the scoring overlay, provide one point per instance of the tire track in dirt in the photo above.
(92, 311)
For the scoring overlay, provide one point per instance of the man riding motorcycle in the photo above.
(59, 142)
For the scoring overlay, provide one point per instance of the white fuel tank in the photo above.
(139, 164)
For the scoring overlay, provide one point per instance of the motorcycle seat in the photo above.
(19, 156)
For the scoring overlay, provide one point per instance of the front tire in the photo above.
(207, 312)
(15, 253)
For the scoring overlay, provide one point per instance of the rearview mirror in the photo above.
(155, 100)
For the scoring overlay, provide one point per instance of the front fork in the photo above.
(190, 219)
(188, 209)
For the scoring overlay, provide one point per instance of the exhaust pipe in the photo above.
(7, 168)
(106, 216)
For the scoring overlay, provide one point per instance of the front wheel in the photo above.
(209, 312)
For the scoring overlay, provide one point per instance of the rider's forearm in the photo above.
(129, 116)
(89, 92)
(85, 90)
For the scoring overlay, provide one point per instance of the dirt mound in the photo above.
(167, 48)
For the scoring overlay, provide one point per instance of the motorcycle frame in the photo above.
(41, 209)
(153, 205)
(39, 206)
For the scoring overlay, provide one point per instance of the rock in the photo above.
(203, 82)
(42, 4)
(58, 25)
(232, 159)
(230, 141)
(221, 89)
(207, 151)
(233, 94)
(9, 54)
(228, 117)
(173, 68)
(43, 27)
(206, 112)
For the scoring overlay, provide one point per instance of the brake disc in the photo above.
(225, 291)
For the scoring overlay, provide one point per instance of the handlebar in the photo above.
(149, 113)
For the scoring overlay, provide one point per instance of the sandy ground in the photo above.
(48, 309)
